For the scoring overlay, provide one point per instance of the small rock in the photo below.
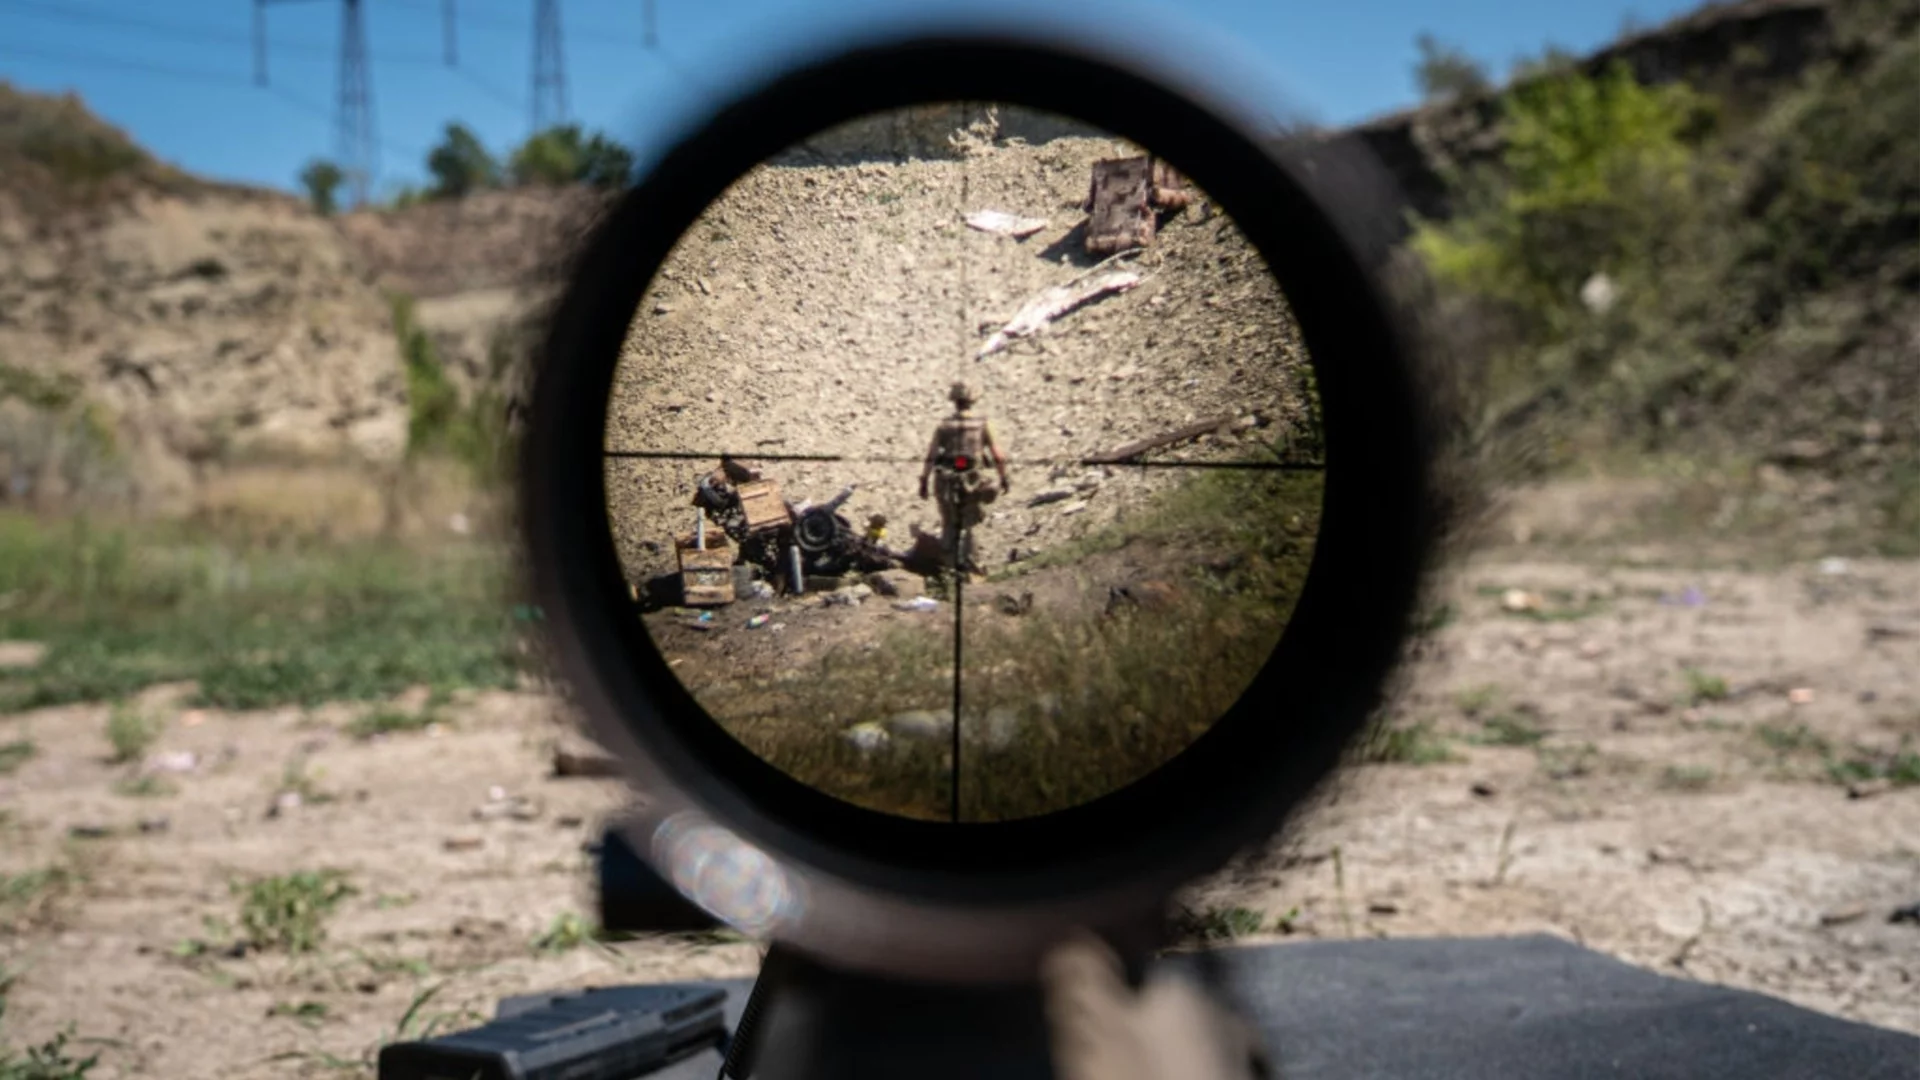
(860, 591)
(868, 736)
(285, 801)
(1833, 566)
(920, 724)
(462, 843)
(172, 761)
(1484, 790)
(918, 603)
(1383, 907)
(1088, 483)
(1800, 695)
(663, 309)
(367, 986)
(1073, 508)
(841, 598)
(1520, 600)
(1843, 916)
(89, 832)
(1591, 650)
(154, 825)
(1016, 605)
(1908, 914)
(1003, 726)
(1051, 495)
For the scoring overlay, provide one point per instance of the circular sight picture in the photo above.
(964, 462)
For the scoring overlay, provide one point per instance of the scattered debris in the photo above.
(1690, 597)
(1800, 695)
(1383, 907)
(1004, 224)
(569, 821)
(155, 825)
(1052, 303)
(1015, 605)
(1051, 495)
(570, 763)
(867, 736)
(1833, 566)
(1484, 789)
(1867, 789)
(462, 843)
(1134, 449)
(1908, 914)
(500, 805)
(895, 583)
(759, 621)
(1843, 916)
(1887, 631)
(918, 603)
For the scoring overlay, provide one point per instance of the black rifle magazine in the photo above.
(611, 1033)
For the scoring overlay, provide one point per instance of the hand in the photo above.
(1102, 1029)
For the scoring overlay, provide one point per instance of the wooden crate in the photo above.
(1119, 209)
(763, 505)
(706, 575)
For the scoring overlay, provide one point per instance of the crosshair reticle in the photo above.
(1139, 374)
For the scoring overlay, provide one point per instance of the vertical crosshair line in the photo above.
(963, 534)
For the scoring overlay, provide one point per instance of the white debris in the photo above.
(1003, 224)
(1055, 302)
(918, 603)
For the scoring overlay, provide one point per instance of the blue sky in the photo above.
(179, 76)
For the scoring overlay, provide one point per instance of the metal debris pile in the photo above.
(759, 541)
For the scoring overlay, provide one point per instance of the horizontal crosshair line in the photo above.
(855, 459)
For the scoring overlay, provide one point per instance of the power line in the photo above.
(212, 78)
(211, 35)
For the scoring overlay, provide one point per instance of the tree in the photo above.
(605, 163)
(1447, 72)
(461, 164)
(322, 179)
(553, 156)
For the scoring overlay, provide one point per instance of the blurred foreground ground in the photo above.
(1657, 754)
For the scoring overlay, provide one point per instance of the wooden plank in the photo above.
(1155, 442)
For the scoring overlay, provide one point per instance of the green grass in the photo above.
(1794, 740)
(1901, 767)
(1416, 744)
(289, 912)
(568, 931)
(49, 1060)
(1568, 762)
(1219, 923)
(254, 624)
(15, 754)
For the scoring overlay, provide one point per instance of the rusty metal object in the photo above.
(1119, 209)
(1170, 190)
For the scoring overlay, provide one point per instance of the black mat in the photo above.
(1537, 1008)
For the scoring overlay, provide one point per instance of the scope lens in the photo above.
(964, 462)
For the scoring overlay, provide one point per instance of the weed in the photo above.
(1413, 745)
(146, 787)
(298, 779)
(290, 912)
(130, 731)
(566, 932)
(395, 964)
(1702, 687)
(1900, 768)
(1568, 762)
(308, 1013)
(1508, 729)
(1794, 740)
(47, 1061)
(29, 898)
(1478, 699)
(15, 754)
(1687, 778)
(390, 721)
(1219, 924)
